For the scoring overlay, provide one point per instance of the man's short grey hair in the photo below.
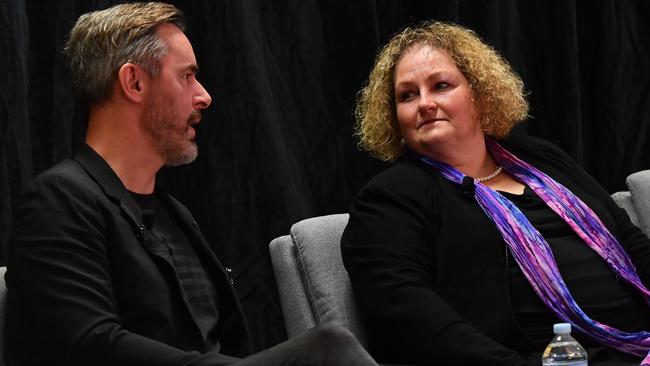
(102, 41)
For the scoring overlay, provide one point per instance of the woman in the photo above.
(454, 251)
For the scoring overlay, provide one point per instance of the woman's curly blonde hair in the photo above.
(496, 89)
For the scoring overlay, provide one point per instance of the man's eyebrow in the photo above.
(193, 68)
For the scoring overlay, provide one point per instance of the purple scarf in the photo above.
(534, 256)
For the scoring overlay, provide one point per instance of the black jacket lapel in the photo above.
(112, 186)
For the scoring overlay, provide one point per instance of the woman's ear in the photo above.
(132, 82)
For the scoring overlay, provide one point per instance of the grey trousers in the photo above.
(323, 345)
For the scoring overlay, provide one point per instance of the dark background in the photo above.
(276, 146)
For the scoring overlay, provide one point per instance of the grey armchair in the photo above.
(636, 201)
(313, 284)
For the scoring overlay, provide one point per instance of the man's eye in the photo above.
(189, 76)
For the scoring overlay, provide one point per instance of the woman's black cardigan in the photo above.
(428, 267)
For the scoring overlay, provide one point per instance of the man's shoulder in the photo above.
(75, 167)
(85, 172)
(66, 172)
(66, 181)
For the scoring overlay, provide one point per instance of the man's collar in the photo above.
(110, 183)
(101, 172)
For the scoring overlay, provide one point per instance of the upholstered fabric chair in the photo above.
(636, 200)
(313, 284)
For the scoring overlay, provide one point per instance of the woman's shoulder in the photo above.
(536, 150)
(531, 144)
(405, 173)
(407, 185)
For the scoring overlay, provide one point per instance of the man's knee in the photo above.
(338, 346)
(334, 335)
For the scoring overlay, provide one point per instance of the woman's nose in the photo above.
(427, 103)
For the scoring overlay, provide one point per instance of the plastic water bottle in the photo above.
(564, 350)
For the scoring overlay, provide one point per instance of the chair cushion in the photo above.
(326, 281)
(296, 307)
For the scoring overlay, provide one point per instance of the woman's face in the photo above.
(434, 103)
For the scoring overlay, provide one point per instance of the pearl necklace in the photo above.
(491, 176)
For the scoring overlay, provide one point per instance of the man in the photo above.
(104, 267)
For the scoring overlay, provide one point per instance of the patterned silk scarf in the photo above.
(534, 256)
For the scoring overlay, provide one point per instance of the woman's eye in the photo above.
(406, 96)
(441, 85)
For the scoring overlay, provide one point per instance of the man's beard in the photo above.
(169, 131)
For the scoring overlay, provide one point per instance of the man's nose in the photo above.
(202, 99)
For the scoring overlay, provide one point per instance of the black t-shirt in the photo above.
(197, 290)
(592, 283)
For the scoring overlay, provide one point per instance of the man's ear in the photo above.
(132, 82)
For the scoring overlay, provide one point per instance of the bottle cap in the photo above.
(562, 328)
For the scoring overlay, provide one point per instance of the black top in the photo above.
(430, 271)
(591, 282)
(198, 292)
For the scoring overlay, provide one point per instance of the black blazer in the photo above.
(89, 285)
(429, 268)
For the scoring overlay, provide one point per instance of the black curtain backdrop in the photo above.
(276, 146)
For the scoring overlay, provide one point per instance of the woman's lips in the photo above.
(428, 121)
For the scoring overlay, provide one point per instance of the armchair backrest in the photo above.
(636, 201)
(314, 286)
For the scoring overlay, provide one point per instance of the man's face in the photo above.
(175, 100)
